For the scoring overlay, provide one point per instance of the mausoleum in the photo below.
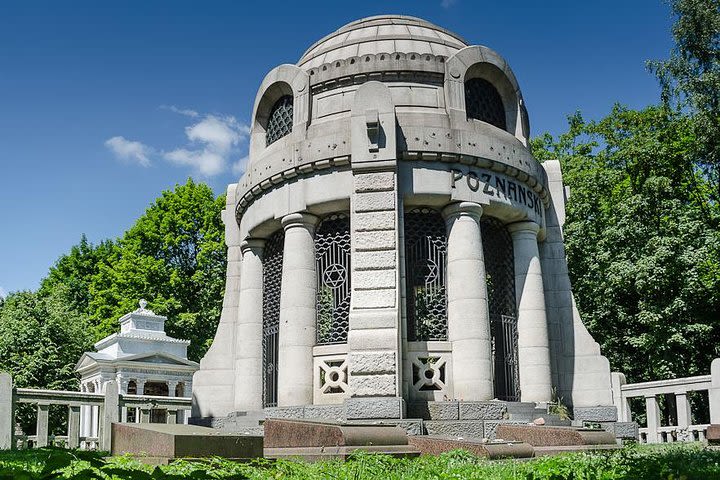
(142, 359)
(393, 241)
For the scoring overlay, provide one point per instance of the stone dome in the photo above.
(382, 34)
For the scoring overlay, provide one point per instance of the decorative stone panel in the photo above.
(330, 379)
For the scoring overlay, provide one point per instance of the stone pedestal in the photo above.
(468, 318)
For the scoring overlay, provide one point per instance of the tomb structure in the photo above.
(393, 242)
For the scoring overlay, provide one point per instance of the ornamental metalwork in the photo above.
(425, 267)
(500, 271)
(280, 121)
(272, 283)
(483, 102)
(332, 261)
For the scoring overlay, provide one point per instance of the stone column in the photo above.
(533, 343)
(468, 315)
(140, 387)
(297, 311)
(653, 419)
(248, 350)
(172, 385)
(683, 410)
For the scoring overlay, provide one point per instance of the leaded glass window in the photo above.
(280, 121)
(332, 257)
(483, 102)
(500, 271)
(425, 255)
(272, 283)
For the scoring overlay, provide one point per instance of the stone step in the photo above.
(477, 429)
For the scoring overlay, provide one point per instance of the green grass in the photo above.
(635, 462)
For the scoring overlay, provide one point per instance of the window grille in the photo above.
(272, 283)
(425, 259)
(280, 121)
(332, 260)
(500, 277)
(483, 102)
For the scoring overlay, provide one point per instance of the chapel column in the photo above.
(297, 311)
(533, 343)
(468, 314)
(249, 350)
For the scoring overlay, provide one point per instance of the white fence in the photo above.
(684, 430)
(107, 407)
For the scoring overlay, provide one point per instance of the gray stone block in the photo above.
(285, 412)
(456, 428)
(326, 412)
(595, 414)
(443, 411)
(374, 407)
(482, 410)
(624, 430)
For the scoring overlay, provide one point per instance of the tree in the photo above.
(175, 257)
(643, 250)
(691, 78)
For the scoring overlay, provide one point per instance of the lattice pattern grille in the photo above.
(425, 262)
(483, 102)
(332, 261)
(500, 270)
(281, 120)
(272, 284)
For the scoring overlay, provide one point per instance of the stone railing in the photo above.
(684, 430)
(108, 407)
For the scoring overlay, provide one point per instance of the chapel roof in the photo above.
(382, 34)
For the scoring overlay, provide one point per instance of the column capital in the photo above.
(300, 219)
(524, 227)
(251, 244)
(457, 209)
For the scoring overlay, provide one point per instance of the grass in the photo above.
(672, 462)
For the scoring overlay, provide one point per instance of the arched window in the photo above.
(272, 282)
(280, 121)
(483, 102)
(426, 298)
(332, 260)
(500, 271)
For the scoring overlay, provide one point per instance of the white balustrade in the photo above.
(683, 430)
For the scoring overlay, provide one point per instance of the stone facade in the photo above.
(413, 144)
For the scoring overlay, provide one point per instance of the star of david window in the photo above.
(280, 121)
(332, 261)
(483, 102)
(426, 297)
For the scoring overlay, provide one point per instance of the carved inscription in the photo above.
(497, 186)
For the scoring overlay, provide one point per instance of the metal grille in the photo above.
(281, 120)
(425, 259)
(500, 270)
(332, 261)
(483, 102)
(272, 283)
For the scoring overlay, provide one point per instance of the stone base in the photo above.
(374, 407)
(435, 445)
(541, 436)
(326, 440)
(159, 443)
(595, 414)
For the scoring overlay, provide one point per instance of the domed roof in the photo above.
(382, 34)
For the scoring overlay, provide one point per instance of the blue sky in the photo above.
(105, 104)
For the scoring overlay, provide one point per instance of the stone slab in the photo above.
(595, 414)
(483, 410)
(436, 444)
(456, 428)
(713, 434)
(281, 433)
(317, 454)
(162, 441)
(542, 436)
(374, 407)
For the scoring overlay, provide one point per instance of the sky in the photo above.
(103, 105)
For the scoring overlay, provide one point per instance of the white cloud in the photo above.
(212, 141)
(129, 150)
(182, 111)
(3, 293)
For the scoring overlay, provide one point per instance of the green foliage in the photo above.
(642, 240)
(666, 462)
